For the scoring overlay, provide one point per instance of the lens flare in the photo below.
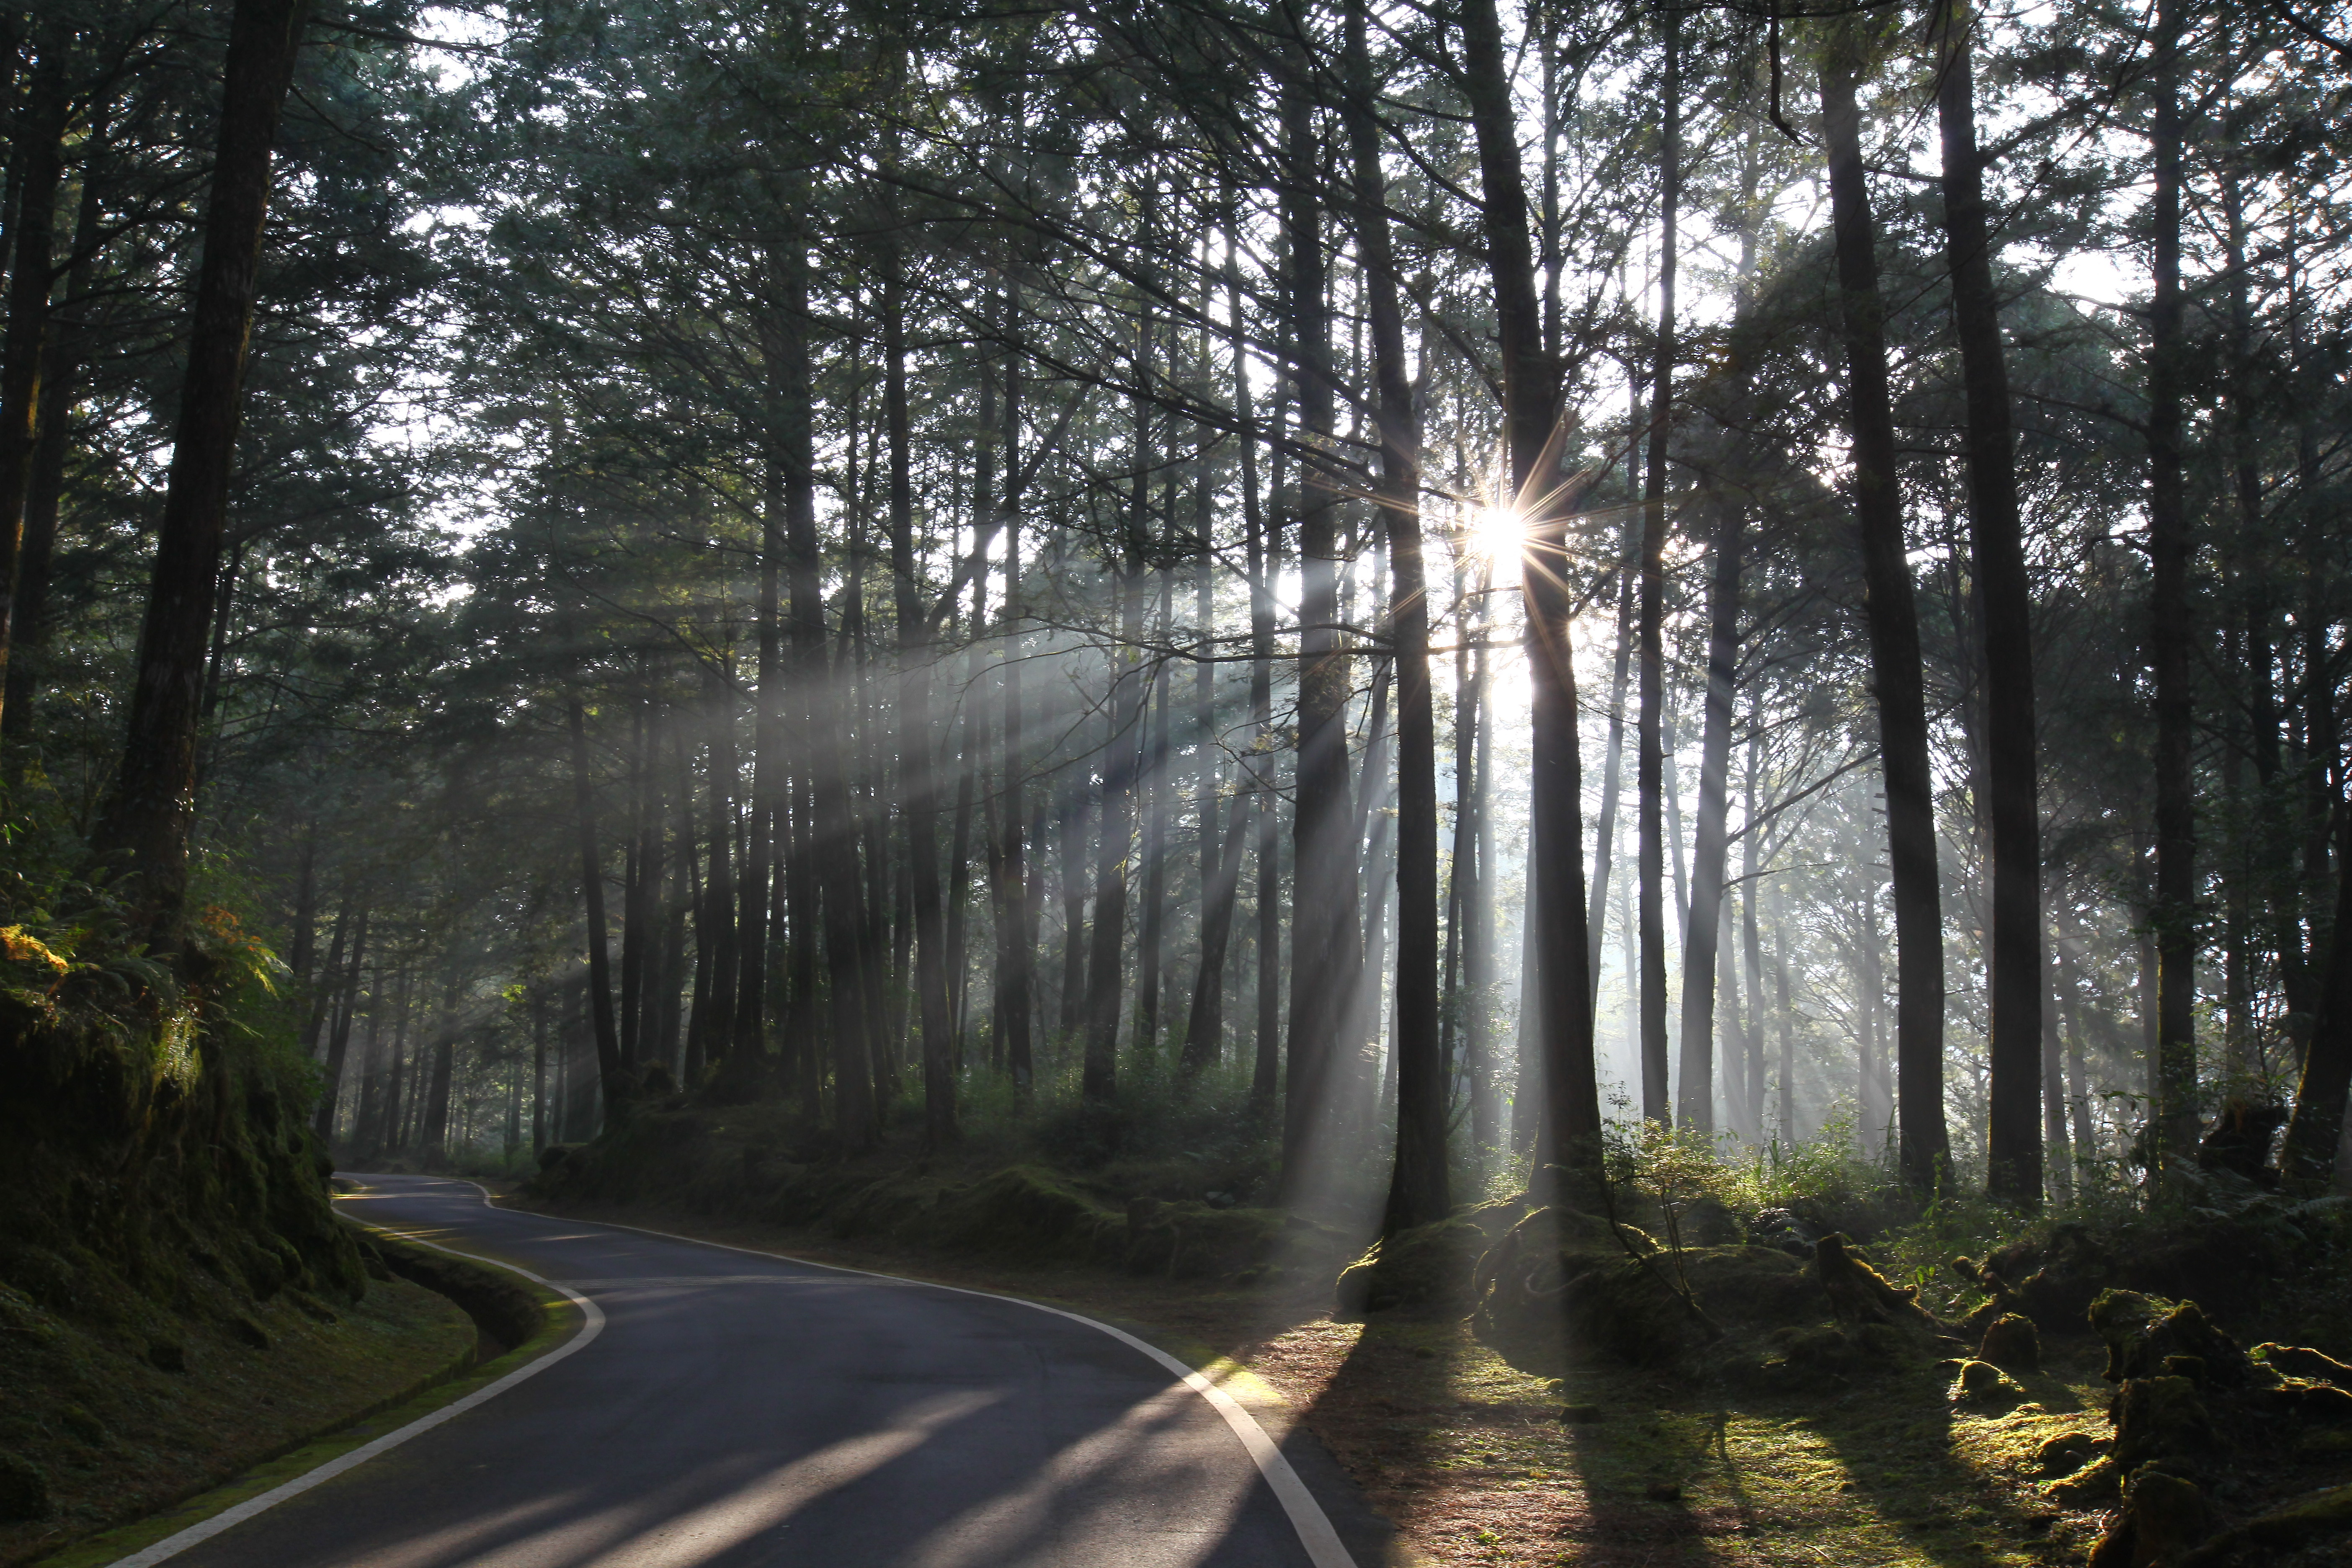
(1497, 532)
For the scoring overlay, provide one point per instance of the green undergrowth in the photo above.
(1155, 1183)
(168, 1209)
(117, 1410)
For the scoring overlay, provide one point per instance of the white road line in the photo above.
(1324, 1548)
(229, 1518)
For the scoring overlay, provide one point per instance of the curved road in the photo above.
(742, 1410)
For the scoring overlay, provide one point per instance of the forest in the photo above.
(1343, 609)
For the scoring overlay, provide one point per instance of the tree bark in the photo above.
(1997, 559)
(1650, 782)
(340, 1038)
(1703, 937)
(1105, 980)
(1418, 1192)
(1016, 945)
(1323, 861)
(142, 831)
(611, 1070)
(1893, 616)
(918, 752)
(40, 132)
(2316, 1127)
(1571, 1133)
(2169, 628)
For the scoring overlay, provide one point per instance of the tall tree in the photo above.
(1997, 559)
(1889, 601)
(142, 831)
(1531, 417)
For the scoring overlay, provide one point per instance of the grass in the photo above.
(118, 1437)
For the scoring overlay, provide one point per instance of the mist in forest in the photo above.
(1370, 597)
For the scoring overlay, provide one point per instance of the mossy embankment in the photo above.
(178, 1299)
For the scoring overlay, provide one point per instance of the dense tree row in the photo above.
(1442, 577)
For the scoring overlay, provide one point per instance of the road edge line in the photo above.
(1313, 1526)
(591, 1325)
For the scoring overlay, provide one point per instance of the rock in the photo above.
(1981, 1383)
(1428, 1266)
(2313, 1401)
(2158, 1418)
(24, 1489)
(2297, 1361)
(2163, 1519)
(2314, 1513)
(2142, 1332)
(2065, 1454)
(1859, 1293)
(167, 1355)
(2011, 1344)
(1782, 1231)
(2094, 1485)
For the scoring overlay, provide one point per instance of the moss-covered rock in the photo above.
(1429, 1267)
(2158, 1418)
(2299, 1361)
(1561, 1284)
(1982, 1382)
(2163, 1518)
(1858, 1293)
(2065, 1454)
(1189, 1240)
(2011, 1344)
(2143, 1333)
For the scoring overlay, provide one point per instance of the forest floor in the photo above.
(1472, 1461)
(124, 1425)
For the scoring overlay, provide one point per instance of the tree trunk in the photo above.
(1997, 559)
(1650, 785)
(1703, 937)
(433, 1136)
(1016, 945)
(1261, 543)
(2315, 1130)
(2169, 629)
(918, 750)
(40, 130)
(610, 1069)
(538, 1070)
(323, 995)
(1104, 980)
(1220, 844)
(1151, 938)
(1323, 859)
(1612, 769)
(718, 892)
(635, 923)
(1418, 1192)
(1894, 618)
(143, 828)
(340, 1038)
(1571, 1135)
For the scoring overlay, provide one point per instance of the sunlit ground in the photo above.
(1469, 1458)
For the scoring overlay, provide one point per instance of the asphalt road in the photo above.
(739, 1410)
